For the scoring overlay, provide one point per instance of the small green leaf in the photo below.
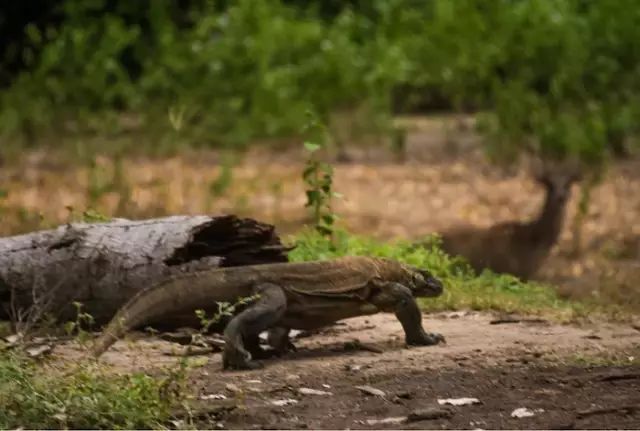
(69, 327)
(198, 362)
(328, 219)
(311, 146)
(313, 195)
(323, 230)
(308, 171)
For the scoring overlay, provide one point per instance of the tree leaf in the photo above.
(311, 146)
(328, 219)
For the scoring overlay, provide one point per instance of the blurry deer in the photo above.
(518, 248)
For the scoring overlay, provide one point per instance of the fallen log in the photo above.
(102, 265)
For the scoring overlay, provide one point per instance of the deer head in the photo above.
(557, 177)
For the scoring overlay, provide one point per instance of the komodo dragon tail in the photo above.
(169, 297)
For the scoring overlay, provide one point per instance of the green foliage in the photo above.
(88, 216)
(220, 185)
(80, 325)
(565, 90)
(558, 78)
(318, 176)
(34, 396)
(225, 309)
(92, 216)
(250, 70)
(4, 194)
(463, 288)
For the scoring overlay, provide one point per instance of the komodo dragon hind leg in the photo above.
(252, 345)
(398, 298)
(279, 340)
(246, 327)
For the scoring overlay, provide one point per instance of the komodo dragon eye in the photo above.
(417, 279)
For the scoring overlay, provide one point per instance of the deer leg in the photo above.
(247, 326)
(397, 298)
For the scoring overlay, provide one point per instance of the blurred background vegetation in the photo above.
(560, 78)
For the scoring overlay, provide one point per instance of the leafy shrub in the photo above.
(318, 178)
(83, 398)
(558, 78)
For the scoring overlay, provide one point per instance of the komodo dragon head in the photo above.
(420, 281)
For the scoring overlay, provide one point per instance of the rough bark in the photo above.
(102, 265)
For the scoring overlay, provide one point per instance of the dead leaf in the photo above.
(523, 412)
(213, 397)
(371, 390)
(37, 351)
(232, 388)
(309, 391)
(387, 421)
(458, 401)
(284, 402)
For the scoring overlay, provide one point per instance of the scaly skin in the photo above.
(305, 295)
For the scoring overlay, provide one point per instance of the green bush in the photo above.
(558, 78)
(85, 397)
(252, 70)
(569, 75)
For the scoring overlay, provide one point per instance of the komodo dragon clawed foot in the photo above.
(234, 358)
(426, 339)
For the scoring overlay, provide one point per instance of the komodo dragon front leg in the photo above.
(241, 334)
(394, 297)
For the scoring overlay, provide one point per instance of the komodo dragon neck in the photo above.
(196, 290)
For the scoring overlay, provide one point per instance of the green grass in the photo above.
(463, 288)
(610, 358)
(37, 396)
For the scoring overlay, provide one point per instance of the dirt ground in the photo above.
(568, 376)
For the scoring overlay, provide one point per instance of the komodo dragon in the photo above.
(305, 295)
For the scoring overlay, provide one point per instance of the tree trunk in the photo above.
(102, 265)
